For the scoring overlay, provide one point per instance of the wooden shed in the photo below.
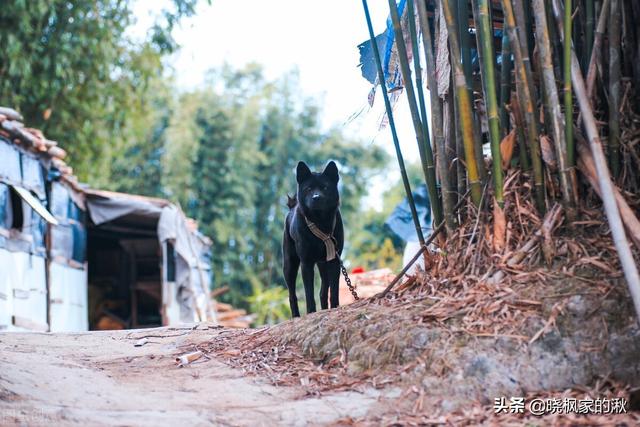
(72, 257)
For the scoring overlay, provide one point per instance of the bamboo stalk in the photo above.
(520, 127)
(449, 133)
(449, 127)
(635, 66)
(528, 109)
(614, 88)
(597, 46)
(424, 148)
(457, 136)
(557, 46)
(526, 43)
(394, 134)
(477, 137)
(417, 67)
(484, 37)
(436, 204)
(442, 162)
(495, 57)
(628, 34)
(505, 83)
(464, 106)
(604, 179)
(568, 98)
(464, 40)
(577, 30)
(589, 28)
(528, 27)
(553, 107)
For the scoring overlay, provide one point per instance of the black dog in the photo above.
(313, 234)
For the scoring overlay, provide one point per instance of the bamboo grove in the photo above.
(550, 76)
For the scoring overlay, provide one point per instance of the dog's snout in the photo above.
(315, 196)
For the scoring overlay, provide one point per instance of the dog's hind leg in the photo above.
(324, 286)
(290, 270)
(307, 279)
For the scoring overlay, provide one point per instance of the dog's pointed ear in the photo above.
(302, 172)
(331, 171)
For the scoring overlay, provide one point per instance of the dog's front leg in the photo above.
(324, 287)
(333, 276)
(307, 279)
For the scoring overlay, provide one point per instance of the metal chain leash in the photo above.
(347, 280)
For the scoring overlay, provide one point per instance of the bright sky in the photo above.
(319, 38)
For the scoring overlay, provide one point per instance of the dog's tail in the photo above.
(291, 201)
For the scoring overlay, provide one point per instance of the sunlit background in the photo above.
(319, 39)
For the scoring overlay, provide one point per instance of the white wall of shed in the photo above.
(69, 305)
(23, 289)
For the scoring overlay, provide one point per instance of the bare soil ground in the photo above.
(557, 323)
(101, 378)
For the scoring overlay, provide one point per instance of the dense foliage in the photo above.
(71, 69)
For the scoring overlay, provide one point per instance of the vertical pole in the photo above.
(505, 83)
(461, 16)
(524, 83)
(426, 155)
(464, 106)
(436, 204)
(614, 88)
(392, 125)
(568, 98)
(589, 28)
(553, 107)
(442, 162)
(484, 37)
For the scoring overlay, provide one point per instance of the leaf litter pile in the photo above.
(513, 305)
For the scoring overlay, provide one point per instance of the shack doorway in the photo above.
(125, 279)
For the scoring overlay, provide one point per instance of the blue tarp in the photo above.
(385, 44)
(401, 222)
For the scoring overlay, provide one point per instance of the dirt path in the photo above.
(101, 378)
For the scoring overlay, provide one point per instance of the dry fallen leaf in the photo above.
(506, 148)
(548, 154)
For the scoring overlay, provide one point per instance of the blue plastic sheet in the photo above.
(10, 164)
(385, 42)
(6, 218)
(32, 174)
(401, 222)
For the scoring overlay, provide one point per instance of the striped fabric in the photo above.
(328, 239)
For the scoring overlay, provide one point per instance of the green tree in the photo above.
(250, 134)
(72, 71)
(139, 169)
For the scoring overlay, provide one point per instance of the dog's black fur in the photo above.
(318, 199)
